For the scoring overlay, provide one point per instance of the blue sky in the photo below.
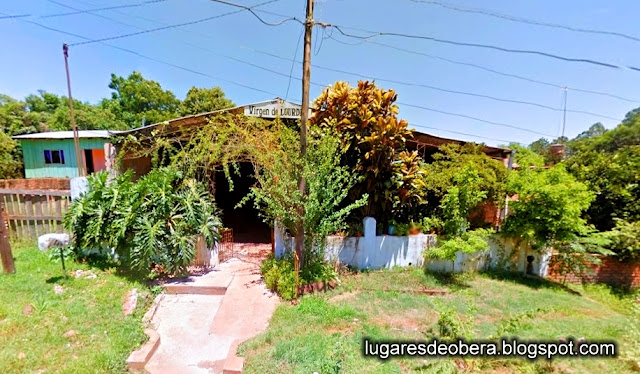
(31, 57)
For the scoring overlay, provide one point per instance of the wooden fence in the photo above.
(31, 213)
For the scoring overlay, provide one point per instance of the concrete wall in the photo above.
(375, 252)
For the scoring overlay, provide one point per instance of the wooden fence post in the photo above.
(5, 247)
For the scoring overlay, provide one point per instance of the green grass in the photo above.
(323, 332)
(33, 341)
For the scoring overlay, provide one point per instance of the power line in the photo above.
(462, 133)
(404, 50)
(90, 41)
(437, 88)
(282, 74)
(6, 16)
(99, 9)
(260, 90)
(529, 21)
(154, 59)
(497, 72)
(250, 10)
(473, 118)
(373, 34)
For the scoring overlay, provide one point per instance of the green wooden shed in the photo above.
(52, 154)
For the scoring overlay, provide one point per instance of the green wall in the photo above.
(33, 153)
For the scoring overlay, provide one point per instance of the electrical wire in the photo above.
(90, 41)
(529, 21)
(497, 72)
(100, 9)
(373, 34)
(385, 45)
(293, 63)
(251, 10)
(154, 59)
(473, 118)
(463, 133)
(6, 16)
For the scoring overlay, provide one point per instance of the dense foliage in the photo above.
(133, 99)
(327, 183)
(279, 275)
(549, 206)
(155, 220)
(365, 120)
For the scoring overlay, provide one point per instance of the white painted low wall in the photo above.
(376, 252)
(386, 252)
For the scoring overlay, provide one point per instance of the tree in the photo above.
(449, 163)
(203, 100)
(372, 137)
(10, 160)
(135, 98)
(609, 164)
(88, 117)
(549, 206)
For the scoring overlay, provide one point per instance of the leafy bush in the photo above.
(549, 207)
(625, 240)
(279, 275)
(468, 242)
(445, 172)
(155, 220)
(373, 141)
(451, 326)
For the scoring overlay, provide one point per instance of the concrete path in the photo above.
(199, 333)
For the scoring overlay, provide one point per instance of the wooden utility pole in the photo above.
(304, 118)
(76, 140)
(5, 246)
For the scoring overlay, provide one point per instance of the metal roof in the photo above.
(83, 134)
(203, 117)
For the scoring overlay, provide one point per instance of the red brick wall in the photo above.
(610, 271)
(35, 184)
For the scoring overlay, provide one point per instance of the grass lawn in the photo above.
(33, 318)
(323, 332)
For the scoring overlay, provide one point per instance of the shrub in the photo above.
(279, 275)
(468, 242)
(625, 240)
(451, 326)
(155, 220)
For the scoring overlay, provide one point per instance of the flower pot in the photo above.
(357, 235)
(414, 231)
(392, 230)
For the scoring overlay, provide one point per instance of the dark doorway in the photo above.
(247, 225)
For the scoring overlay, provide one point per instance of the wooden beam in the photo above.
(5, 247)
(35, 192)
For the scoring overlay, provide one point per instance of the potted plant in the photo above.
(431, 225)
(392, 227)
(357, 230)
(415, 228)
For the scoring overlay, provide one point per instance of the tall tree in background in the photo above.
(203, 100)
(135, 98)
(10, 160)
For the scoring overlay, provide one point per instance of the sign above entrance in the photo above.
(273, 109)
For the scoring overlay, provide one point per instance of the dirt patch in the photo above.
(411, 321)
(340, 330)
(343, 296)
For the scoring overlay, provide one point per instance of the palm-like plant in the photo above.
(155, 220)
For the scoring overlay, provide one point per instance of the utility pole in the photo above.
(304, 118)
(76, 140)
(5, 247)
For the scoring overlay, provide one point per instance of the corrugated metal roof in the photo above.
(68, 134)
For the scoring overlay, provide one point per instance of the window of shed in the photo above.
(53, 157)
